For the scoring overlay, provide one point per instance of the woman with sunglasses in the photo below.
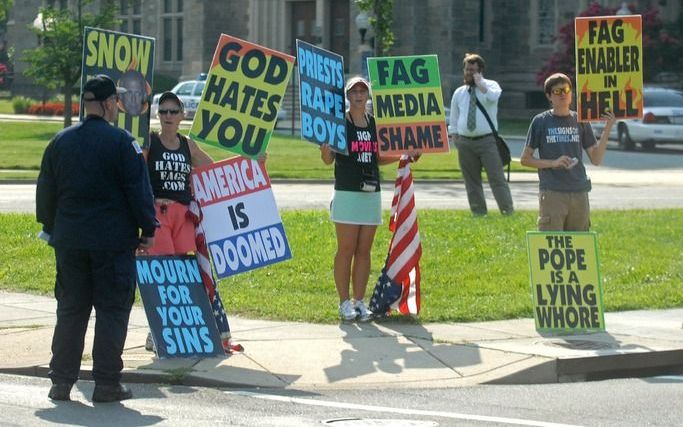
(170, 157)
(560, 140)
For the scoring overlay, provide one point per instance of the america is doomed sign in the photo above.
(241, 222)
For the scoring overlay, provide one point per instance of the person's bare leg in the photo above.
(347, 238)
(362, 260)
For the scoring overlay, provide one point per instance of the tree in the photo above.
(381, 19)
(5, 6)
(661, 48)
(56, 62)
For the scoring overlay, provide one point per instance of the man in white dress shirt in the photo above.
(474, 138)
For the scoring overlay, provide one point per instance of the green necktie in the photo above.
(472, 112)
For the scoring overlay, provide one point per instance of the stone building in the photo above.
(514, 36)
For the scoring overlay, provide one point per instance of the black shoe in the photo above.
(60, 391)
(111, 393)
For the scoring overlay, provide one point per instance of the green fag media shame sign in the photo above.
(408, 104)
(565, 281)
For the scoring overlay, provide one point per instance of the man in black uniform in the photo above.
(94, 199)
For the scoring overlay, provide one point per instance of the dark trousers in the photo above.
(473, 154)
(86, 279)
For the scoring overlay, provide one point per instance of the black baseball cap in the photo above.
(100, 88)
(170, 96)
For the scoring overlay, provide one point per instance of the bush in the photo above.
(52, 109)
(163, 83)
(20, 104)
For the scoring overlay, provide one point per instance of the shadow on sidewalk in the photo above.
(397, 347)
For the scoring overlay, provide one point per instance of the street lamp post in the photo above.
(39, 26)
(364, 51)
(362, 23)
(624, 10)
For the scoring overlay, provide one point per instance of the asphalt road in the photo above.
(626, 180)
(626, 402)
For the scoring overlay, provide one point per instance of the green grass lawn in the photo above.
(6, 106)
(22, 145)
(473, 269)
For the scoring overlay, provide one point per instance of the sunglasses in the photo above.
(560, 90)
(171, 112)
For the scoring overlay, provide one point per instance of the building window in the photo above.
(58, 4)
(301, 28)
(168, 39)
(179, 39)
(543, 18)
(130, 14)
(172, 30)
(484, 22)
(339, 27)
(546, 21)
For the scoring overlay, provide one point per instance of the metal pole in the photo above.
(293, 99)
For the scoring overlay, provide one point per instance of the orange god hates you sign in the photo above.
(609, 66)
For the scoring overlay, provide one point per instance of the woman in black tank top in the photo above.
(356, 206)
(170, 157)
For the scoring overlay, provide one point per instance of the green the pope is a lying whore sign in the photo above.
(565, 281)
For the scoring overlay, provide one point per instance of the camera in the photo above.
(369, 186)
(369, 182)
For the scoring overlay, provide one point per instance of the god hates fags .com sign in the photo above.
(241, 223)
(565, 281)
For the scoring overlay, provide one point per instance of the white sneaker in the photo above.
(364, 315)
(346, 311)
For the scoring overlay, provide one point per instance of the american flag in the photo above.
(398, 287)
(194, 213)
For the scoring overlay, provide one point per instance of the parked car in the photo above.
(662, 121)
(189, 91)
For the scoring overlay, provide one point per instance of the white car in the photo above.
(189, 91)
(662, 121)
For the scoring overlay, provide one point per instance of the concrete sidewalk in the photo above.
(389, 354)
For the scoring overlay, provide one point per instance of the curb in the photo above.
(556, 370)
(137, 376)
(598, 368)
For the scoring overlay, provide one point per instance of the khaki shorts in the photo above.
(560, 211)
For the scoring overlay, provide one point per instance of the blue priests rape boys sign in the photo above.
(240, 220)
(321, 93)
(177, 307)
